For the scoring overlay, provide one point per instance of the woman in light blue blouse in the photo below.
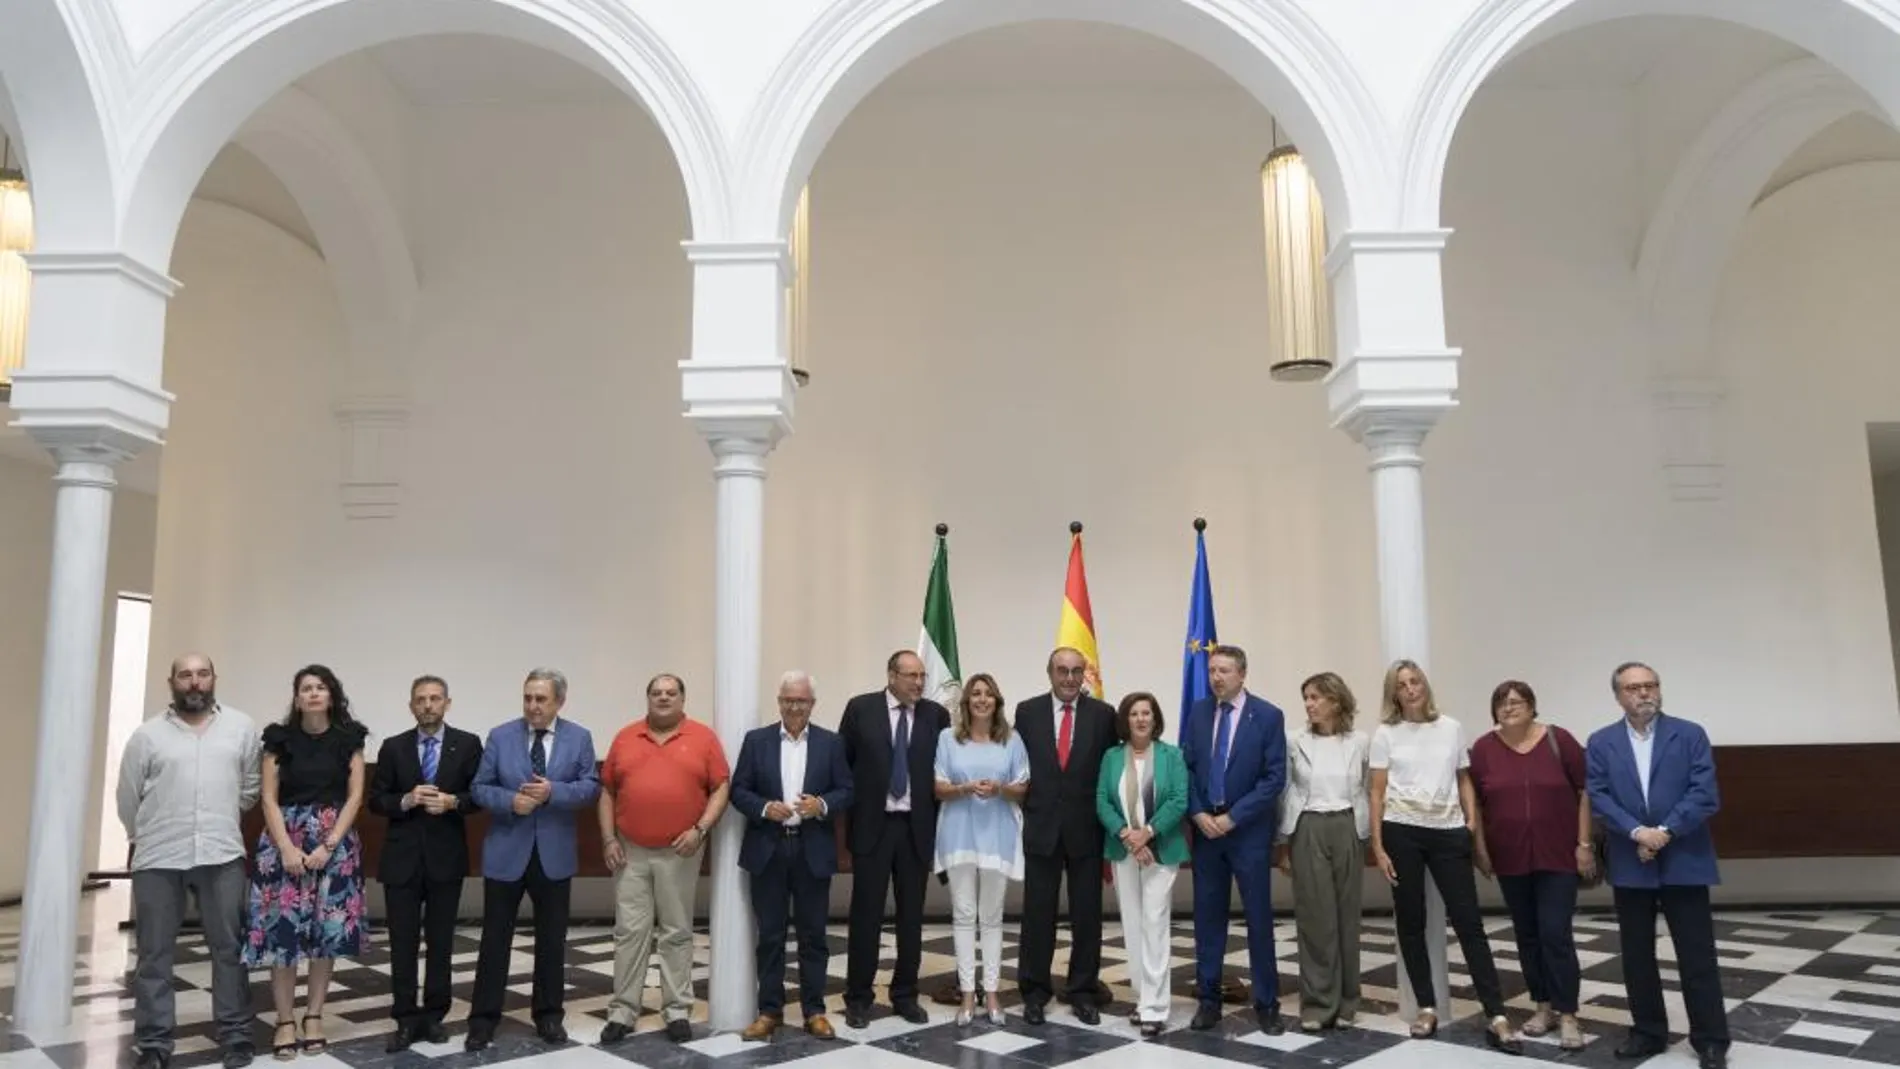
(982, 775)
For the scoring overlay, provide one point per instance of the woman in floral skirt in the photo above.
(307, 876)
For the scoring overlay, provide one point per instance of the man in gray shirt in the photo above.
(184, 783)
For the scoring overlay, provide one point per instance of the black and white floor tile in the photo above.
(1807, 990)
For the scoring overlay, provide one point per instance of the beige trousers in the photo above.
(653, 914)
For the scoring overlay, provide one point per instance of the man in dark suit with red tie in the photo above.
(1065, 733)
(890, 742)
(422, 786)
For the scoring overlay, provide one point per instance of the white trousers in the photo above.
(1146, 895)
(976, 903)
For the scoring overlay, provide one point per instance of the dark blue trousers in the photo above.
(1218, 865)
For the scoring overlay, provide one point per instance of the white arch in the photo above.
(1690, 235)
(1861, 38)
(1271, 47)
(228, 57)
(64, 124)
(357, 226)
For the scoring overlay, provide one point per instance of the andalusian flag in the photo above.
(937, 645)
(1077, 630)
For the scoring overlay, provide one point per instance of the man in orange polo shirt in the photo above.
(662, 788)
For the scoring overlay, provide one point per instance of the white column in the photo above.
(738, 583)
(96, 340)
(69, 685)
(738, 392)
(1395, 379)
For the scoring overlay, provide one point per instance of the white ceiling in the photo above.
(1855, 139)
(241, 180)
(1057, 55)
(454, 70)
(1624, 52)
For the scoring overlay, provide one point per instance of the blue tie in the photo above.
(428, 759)
(1223, 736)
(900, 756)
(539, 757)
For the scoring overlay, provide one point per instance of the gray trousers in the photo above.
(1329, 862)
(158, 910)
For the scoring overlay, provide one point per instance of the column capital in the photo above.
(1393, 434)
(89, 416)
(107, 264)
(1381, 389)
(777, 254)
(739, 400)
(1354, 243)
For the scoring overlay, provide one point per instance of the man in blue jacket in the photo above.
(1652, 785)
(537, 774)
(1236, 755)
(791, 782)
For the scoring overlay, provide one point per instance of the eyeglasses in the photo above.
(1078, 671)
(1641, 688)
(795, 702)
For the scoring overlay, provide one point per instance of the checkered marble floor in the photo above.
(1807, 990)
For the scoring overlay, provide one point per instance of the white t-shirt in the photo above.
(1421, 761)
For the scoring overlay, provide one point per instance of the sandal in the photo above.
(1499, 1037)
(1538, 1025)
(281, 1049)
(313, 1043)
(1427, 1024)
(1570, 1031)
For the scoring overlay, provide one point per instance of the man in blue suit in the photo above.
(791, 777)
(537, 774)
(1652, 784)
(1236, 756)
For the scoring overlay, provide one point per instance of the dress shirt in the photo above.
(791, 769)
(1641, 744)
(1330, 789)
(1233, 728)
(548, 739)
(899, 805)
(183, 790)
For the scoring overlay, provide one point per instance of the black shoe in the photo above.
(1206, 1017)
(615, 1032)
(912, 1012)
(479, 1037)
(1636, 1046)
(1087, 1013)
(1271, 1023)
(1032, 1013)
(153, 1059)
(551, 1032)
(399, 1040)
(239, 1054)
(433, 1032)
(680, 1031)
(857, 1017)
(1712, 1058)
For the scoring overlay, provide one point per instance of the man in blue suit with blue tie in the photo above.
(791, 779)
(1236, 756)
(537, 775)
(1652, 785)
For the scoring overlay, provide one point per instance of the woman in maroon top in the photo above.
(1535, 835)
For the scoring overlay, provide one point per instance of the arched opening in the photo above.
(1037, 297)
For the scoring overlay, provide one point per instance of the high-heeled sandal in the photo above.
(1427, 1024)
(313, 1044)
(1500, 1038)
(281, 1049)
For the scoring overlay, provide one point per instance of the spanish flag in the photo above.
(1077, 629)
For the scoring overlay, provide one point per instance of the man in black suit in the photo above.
(890, 742)
(791, 778)
(1065, 733)
(422, 786)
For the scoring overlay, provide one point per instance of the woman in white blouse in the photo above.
(1324, 816)
(1423, 812)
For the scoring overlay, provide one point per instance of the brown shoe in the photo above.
(820, 1028)
(761, 1030)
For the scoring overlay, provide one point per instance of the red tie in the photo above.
(1065, 734)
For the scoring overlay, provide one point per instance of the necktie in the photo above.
(428, 759)
(1223, 735)
(1065, 735)
(900, 755)
(539, 757)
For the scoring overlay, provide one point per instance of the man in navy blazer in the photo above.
(1236, 756)
(537, 775)
(791, 778)
(1652, 785)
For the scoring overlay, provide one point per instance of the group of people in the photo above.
(1066, 794)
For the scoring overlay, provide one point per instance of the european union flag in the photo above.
(1200, 633)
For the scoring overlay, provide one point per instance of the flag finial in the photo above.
(1075, 527)
(943, 529)
(1200, 524)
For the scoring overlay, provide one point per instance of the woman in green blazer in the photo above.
(1142, 799)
